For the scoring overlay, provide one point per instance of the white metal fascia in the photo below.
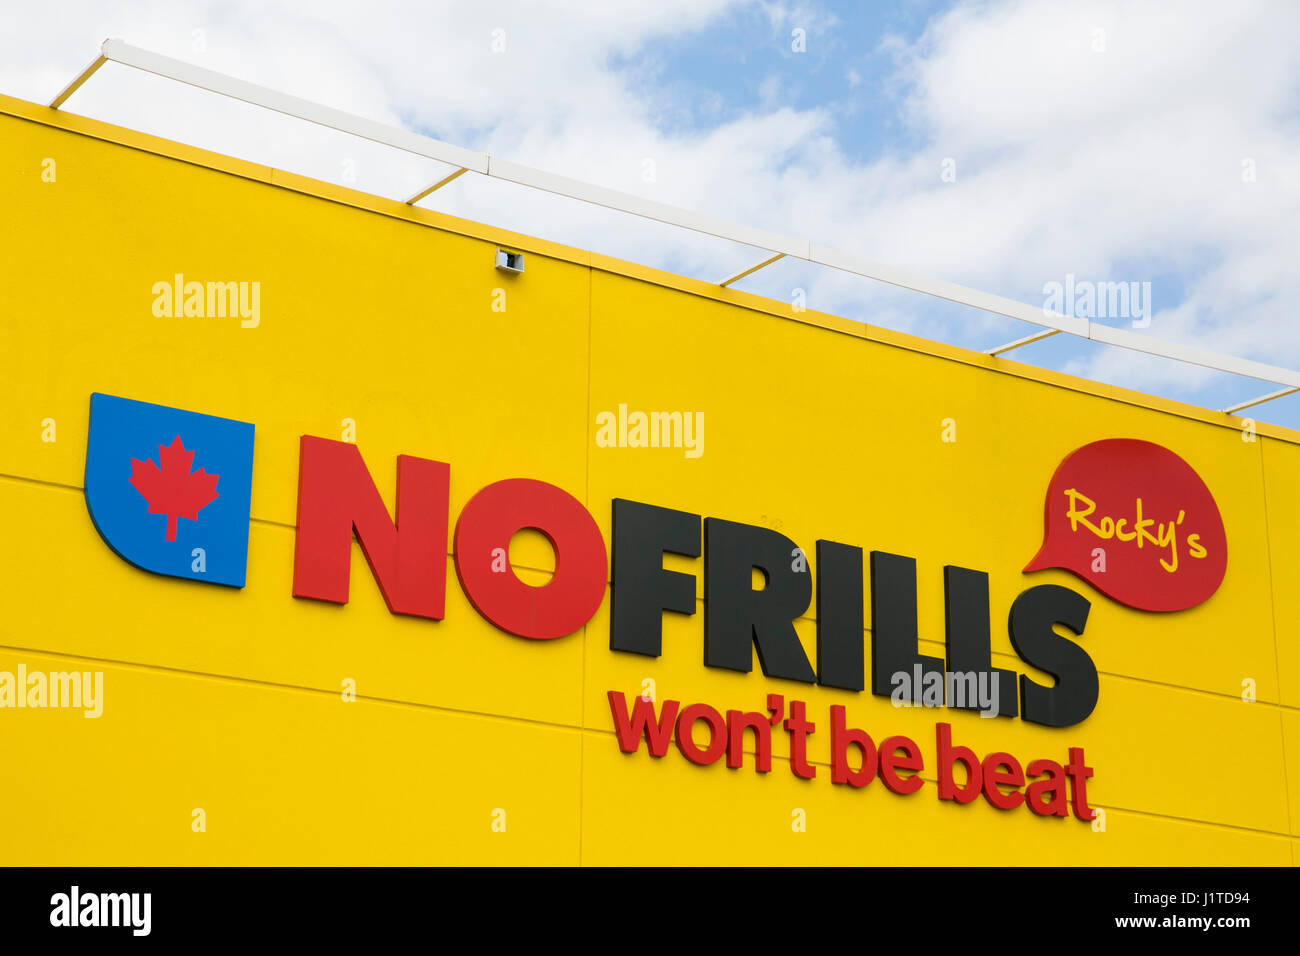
(1027, 340)
(645, 208)
(1191, 355)
(941, 288)
(430, 190)
(736, 277)
(77, 81)
(120, 52)
(1282, 393)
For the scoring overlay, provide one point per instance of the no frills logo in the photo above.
(1137, 523)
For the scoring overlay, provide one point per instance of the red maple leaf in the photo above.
(172, 490)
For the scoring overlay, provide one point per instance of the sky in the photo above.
(1015, 147)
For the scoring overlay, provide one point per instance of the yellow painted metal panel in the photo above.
(362, 317)
(1291, 764)
(1282, 493)
(813, 425)
(282, 776)
(113, 611)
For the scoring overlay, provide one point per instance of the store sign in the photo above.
(169, 490)
(1161, 542)
(1137, 523)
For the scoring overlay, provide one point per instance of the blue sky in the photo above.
(1152, 141)
(745, 62)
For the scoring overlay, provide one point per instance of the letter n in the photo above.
(336, 496)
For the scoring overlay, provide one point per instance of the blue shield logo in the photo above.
(169, 490)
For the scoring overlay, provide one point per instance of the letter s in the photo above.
(1075, 695)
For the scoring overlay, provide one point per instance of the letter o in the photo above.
(717, 734)
(566, 602)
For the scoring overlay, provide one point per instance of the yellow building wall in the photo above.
(230, 701)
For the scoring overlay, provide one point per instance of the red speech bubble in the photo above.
(1137, 523)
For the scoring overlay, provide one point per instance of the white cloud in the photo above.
(1133, 154)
